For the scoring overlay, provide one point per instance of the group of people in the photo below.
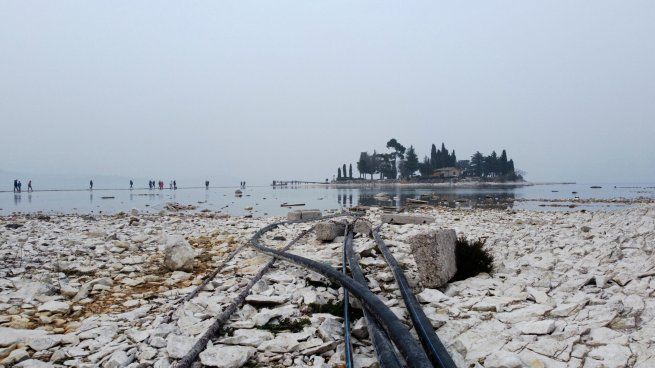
(18, 186)
(243, 184)
(160, 184)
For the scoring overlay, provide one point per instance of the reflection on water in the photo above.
(268, 200)
(402, 197)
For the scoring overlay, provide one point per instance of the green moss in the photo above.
(472, 259)
(287, 324)
(335, 309)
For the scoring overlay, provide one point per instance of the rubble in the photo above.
(94, 291)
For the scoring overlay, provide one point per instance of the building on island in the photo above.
(447, 172)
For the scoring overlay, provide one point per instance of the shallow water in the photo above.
(267, 200)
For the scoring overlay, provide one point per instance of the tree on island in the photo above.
(339, 174)
(345, 173)
(477, 163)
(350, 171)
(425, 168)
(410, 164)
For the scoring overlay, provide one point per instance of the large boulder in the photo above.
(434, 253)
(178, 254)
(329, 230)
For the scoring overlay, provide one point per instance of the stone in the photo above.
(431, 296)
(225, 356)
(87, 287)
(536, 327)
(33, 363)
(604, 336)
(329, 230)
(118, 359)
(248, 337)
(178, 254)
(402, 219)
(15, 356)
(608, 356)
(363, 227)
(282, 343)
(434, 253)
(177, 345)
(44, 342)
(11, 336)
(502, 359)
(54, 307)
(298, 215)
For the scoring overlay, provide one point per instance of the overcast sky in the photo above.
(293, 89)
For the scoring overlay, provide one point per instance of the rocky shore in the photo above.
(569, 289)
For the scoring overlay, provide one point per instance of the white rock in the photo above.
(536, 327)
(178, 254)
(44, 342)
(248, 337)
(118, 359)
(225, 356)
(431, 296)
(178, 345)
(502, 359)
(33, 363)
(10, 336)
(54, 307)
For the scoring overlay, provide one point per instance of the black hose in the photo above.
(433, 346)
(346, 307)
(383, 346)
(397, 331)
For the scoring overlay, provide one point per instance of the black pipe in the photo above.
(433, 346)
(346, 307)
(397, 331)
(383, 346)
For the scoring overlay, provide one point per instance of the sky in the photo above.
(264, 90)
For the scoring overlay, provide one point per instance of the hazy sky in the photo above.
(293, 89)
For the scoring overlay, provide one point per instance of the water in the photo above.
(267, 200)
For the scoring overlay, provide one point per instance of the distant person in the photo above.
(90, 184)
(15, 185)
(19, 186)
(131, 184)
(206, 184)
(29, 186)
(244, 184)
(170, 185)
(174, 185)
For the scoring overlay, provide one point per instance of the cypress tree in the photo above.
(350, 171)
(345, 173)
(433, 157)
(339, 174)
(478, 164)
(503, 165)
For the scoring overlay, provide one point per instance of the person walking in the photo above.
(19, 186)
(131, 184)
(174, 185)
(15, 185)
(206, 184)
(90, 184)
(29, 186)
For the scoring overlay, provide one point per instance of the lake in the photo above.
(267, 200)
